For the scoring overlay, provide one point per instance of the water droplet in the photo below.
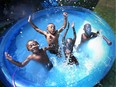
(61, 4)
(93, 7)
(7, 19)
(21, 32)
(74, 2)
(11, 12)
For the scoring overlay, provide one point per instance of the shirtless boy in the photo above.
(68, 47)
(88, 34)
(52, 35)
(38, 55)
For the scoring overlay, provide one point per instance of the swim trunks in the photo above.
(73, 60)
(49, 66)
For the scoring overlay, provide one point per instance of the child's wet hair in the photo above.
(86, 25)
(49, 24)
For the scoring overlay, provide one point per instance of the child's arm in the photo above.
(65, 23)
(94, 34)
(63, 39)
(20, 64)
(35, 27)
(74, 32)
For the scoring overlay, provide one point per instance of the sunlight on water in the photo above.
(92, 57)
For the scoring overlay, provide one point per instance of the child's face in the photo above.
(69, 42)
(69, 45)
(33, 46)
(87, 29)
(51, 28)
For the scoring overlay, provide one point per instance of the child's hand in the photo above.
(99, 33)
(65, 14)
(73, 25)
(29, 19)
(8, 56)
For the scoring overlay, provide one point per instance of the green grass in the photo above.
(106, 9)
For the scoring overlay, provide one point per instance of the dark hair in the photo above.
(29, 41)
(51, 23)
(86, 25)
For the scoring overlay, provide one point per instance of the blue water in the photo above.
(95, 56)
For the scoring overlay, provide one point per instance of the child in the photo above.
(68, 47)
(88, 34)
(52, 35)
(38, 55)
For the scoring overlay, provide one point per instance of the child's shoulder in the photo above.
(30, 56)
(83, 35)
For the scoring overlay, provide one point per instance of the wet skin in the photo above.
(38, 55)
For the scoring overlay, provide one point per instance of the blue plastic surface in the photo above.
(95, 57)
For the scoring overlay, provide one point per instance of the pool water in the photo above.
(95, 56)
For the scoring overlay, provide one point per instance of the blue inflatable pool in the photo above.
(95, 57)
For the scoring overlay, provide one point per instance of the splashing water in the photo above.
(95, 55)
